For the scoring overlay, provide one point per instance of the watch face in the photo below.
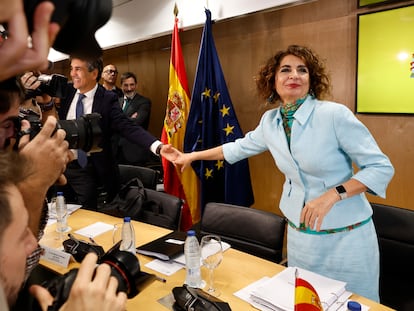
(341, 191)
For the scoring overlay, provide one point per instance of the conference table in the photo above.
(236, 271)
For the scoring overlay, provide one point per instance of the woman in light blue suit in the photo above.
(314, 144)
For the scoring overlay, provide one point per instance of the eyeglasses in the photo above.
(111, 72)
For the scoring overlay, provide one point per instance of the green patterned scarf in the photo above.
(287, 113)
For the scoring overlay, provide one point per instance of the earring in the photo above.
(311, 93)
(271, 98)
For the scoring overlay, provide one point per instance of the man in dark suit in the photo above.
(138, 109)
(109, 76)
(99, 170)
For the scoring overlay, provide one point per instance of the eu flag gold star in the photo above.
(216, 97)
(225, 111)
(228, 129)
(219, 164)
(209, 173)
(206, 92)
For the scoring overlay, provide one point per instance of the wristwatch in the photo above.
(48, 106)
(158, 150)
(340, 190)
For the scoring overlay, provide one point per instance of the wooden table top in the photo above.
(236, 271)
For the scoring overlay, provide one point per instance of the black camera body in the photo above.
(54, 85)
(84, 133)
(79, 20)
(124, 266)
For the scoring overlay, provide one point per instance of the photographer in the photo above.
(45, 159)
(47, 153)
(90, 291)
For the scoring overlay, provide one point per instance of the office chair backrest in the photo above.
(161, 209)
(148, 176)
(250, 230)
(395, 230)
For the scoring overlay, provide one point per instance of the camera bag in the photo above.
(128, 202)
(195, 299)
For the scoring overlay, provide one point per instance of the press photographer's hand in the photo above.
(16, 55)
(89, 292)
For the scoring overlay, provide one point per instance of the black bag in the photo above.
(188, 298)
(132, 201)
(128, 202)
(79, 249)
(152, 212)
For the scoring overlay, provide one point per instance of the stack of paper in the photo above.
(278, 292)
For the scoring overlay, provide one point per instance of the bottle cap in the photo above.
(190, 233)
(60, 193)
(353, 306)
(127, 219)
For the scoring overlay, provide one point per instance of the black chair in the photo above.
(253, 231)
(395, 230)
(161, 209)
(149, 177)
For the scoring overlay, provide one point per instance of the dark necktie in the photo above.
(127, 100)
(82, 157)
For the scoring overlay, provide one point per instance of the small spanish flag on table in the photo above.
(306, 297)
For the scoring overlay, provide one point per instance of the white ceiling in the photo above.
(137, 20)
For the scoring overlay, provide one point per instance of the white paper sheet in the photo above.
(164, 267)
(95, 229)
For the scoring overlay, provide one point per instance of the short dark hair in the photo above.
(10, 91)
(12, 172)
(127, 75)
(92, 64)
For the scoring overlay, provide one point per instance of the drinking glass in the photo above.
(117, 233)
(211, 256)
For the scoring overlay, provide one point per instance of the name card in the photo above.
(56, 256)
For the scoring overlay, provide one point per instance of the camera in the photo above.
(84, 133)
(54, 85)
(124, 267)
(78, 20)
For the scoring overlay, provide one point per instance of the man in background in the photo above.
(138, 109)
(109, 77)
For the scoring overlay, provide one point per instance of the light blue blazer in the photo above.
(326, 139)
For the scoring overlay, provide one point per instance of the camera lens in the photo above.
(83, 133)
(124, 267)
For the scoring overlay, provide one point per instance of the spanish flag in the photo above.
(183, 185)
(306, 297)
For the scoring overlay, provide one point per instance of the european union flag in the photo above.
(212, 122)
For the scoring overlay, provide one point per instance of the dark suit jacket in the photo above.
(133, 153)
(113, 121)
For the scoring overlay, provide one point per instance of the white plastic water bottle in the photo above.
(192, 260)
(128, 236)
(61, 213)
